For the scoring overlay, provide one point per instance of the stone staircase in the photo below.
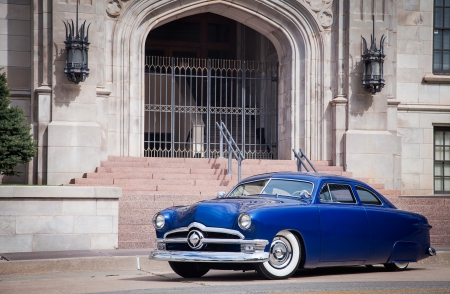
(150, 184)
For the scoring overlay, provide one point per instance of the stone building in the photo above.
(306, 91)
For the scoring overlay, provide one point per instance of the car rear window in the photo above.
(367, 197)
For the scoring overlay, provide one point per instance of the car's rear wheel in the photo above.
(188, 269)
(284, 257)
(396, 266)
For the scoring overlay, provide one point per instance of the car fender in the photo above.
(404, 251)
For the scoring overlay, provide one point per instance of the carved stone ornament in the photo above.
(322, 8)
(114, 7)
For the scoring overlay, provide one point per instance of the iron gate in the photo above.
(185, 97)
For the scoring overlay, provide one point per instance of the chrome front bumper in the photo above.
(203, 256)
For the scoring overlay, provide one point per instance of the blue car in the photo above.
(277, 223)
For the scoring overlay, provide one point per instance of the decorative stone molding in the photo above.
(423, 108)
(114, 7)
(436, 79)
(102, 92)
(322, 8)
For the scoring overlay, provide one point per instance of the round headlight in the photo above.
(159, 221)
(244, 221)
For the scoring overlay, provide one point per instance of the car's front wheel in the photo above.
(188, 269)
(396, 266)
(284, 257)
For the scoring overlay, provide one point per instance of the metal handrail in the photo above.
(232, 149)
(300, 161)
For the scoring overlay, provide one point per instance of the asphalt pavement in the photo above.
(130, 271)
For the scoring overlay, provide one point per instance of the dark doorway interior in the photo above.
(205, 35)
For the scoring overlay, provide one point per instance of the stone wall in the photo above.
(55, 218)
(424, 96)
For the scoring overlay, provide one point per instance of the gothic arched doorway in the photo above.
(201, 70)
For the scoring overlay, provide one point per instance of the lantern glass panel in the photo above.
(69, 55)
(375, 68)
(77, 56)
(85, 58)
(368, 68)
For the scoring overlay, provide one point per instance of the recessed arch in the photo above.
(293, 30)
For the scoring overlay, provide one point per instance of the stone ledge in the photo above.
(424, 107)
(59, 192)
(436, 79)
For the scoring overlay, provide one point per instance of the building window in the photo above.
(441, 160)
(441, 46)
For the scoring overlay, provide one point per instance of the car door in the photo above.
(343, 225)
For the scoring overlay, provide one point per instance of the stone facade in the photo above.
(58, 218)
(387, 137)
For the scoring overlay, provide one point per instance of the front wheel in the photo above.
(396, 266)
(188, 269)
(284, 257)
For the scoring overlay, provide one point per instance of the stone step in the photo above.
(156, 176)
(186, 182)
(93, 182)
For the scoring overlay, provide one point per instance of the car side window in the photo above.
(339, 193)
(325, 194)
(367, 197)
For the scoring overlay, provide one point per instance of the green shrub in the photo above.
(16, 143)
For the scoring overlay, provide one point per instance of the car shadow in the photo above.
(221, 276)
(342, 270)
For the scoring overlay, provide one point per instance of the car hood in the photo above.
(222, 212)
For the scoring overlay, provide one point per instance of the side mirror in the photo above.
(221, 194)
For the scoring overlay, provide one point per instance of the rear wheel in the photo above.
(284, 258)
(188, 269)
(396, 266)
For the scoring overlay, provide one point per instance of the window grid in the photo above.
(441, 160)
(441, 42)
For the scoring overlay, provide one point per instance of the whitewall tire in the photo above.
(284, 257)
(396, 266)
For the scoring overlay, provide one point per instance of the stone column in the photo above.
(372, 147)
(74, 134)
(339, 112)
(42, 118)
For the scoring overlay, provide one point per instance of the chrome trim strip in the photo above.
(199, 256)
(258, 242)
(205, 229)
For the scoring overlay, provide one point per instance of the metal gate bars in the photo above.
(185, 97)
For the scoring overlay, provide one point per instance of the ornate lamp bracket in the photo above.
(373, 60)
(77, 49)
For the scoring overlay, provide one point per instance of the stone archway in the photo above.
(296, 30)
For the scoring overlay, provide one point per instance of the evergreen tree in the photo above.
(16, 144)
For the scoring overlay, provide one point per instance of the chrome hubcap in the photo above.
(280, 253)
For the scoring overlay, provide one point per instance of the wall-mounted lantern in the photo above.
(77, 47)
(373, 60)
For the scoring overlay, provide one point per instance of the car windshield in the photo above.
(279, 187)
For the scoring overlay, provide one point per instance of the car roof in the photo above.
(308, 176)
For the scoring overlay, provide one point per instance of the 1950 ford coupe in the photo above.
(277, 223)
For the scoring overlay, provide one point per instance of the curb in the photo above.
(124, 263)
(82, 264)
